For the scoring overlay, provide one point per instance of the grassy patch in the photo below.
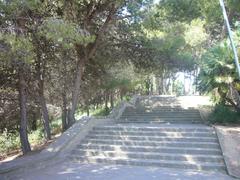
(10, 141)
(101, 112)
(56, 126)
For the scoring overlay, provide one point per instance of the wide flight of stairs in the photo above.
(160, 110)
(165, 136)
(166, 114)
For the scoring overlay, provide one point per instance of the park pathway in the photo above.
(157, 139)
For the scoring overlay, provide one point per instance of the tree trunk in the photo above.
(40, 69)
(64, 92)
(45, 116)
(234, 98)
(147, 85)
(160, 85)
(121, 94)
(88, 110)
(43, 106)
(23, 112)
(184, 83)
(106, 101)
(34, 121)
(76, 90)
(112, 100)
(64, 112)
(84, 54)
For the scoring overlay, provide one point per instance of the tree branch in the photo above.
(93, 46)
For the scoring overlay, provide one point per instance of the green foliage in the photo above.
(176, 10)
(173, 43)
(16, 44)
(101, 112)
(37, 137)
(178, 88)
(218, 71)
(65, 33)
(224, 115)
(16, 6)
(212, 13)
(56, 126)
(120, 76)
(8, 141)
(196, 28)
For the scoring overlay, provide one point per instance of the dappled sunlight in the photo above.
(136, 69)
(50, 149)
(165, 150)
(194, 101)
(83, 171)
(182, 102)
(190, 159)
(155, 146)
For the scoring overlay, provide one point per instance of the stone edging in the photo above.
(231, 169)
(118, 110)
(204, 113)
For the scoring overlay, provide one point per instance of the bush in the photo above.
(56, 126)
(224, 115)
(36, 137)
(9, 141)
(101, 112)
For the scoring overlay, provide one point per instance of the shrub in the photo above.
(56, 126)
(101, 112)
(224, 115)
(9, 141)
(36, 137)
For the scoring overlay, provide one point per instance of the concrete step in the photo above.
(139, 118)
(158, 163)
(162, 110)
(152, 143)
(160, 118)
(150, 138)
(154, 128)
(159, 121)
(161, 113)
(158, 134)
(151, 155)
(178, 150)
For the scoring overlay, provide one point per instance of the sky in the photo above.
(156, 1)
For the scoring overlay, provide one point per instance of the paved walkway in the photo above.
(70, 170)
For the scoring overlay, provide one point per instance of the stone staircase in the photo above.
(164, 136)
(164, 115)
(160, 110)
